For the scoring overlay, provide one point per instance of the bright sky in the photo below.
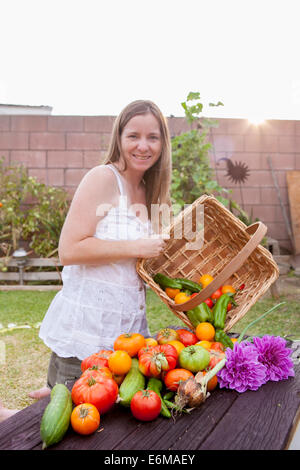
(92, 57)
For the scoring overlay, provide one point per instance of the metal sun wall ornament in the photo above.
(237, 172)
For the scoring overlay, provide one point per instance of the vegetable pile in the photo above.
(213, 310)
(172, 373)
(141, 374)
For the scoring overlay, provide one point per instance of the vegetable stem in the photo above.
(210, 374)
(173, 406)
(256, 320)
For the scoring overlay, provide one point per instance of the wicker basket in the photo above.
(230, 253)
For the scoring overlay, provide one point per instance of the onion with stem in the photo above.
(193, 391)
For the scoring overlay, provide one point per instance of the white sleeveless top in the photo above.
(98, 303)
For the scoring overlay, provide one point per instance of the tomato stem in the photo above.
(91, 381)
(84, 411)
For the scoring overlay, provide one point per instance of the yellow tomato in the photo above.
(228, 289)
(119, 362)
(234, 340)
(177, 345)
(151, 342)
(205, 331)
(205, 344)
(205, 280)
(181, 298)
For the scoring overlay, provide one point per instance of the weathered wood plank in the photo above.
(35, 262)
(293, 184)
(30, 287)
(259, 420)
(205, 419)
(22, 430)
(33, 276)
(116, 424)
(186, 432)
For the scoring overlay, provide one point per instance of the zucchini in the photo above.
(177, 283)
(187, 284)
(165, 281)
(156, 385)
(133, 382)
(56, 418)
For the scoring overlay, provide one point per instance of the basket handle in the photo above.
(257, 232)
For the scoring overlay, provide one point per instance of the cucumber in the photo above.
(165, 281)
(187, 284)
(57, 415)
(156, 385)
(133, 382)
(177, 283)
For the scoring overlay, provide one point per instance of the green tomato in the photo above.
(194, 358)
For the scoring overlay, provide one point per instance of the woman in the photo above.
(107, 228)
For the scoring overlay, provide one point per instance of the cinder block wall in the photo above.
(59, 150)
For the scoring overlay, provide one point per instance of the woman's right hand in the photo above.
(150, 247)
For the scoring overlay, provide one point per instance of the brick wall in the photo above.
(59, 150)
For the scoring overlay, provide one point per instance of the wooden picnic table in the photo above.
(265, 419)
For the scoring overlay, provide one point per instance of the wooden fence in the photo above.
(36, 276)
(18, 278)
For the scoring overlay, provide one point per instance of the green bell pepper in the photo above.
(201, 313)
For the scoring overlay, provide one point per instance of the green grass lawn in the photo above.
(24, 357)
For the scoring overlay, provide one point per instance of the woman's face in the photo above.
(141, 142)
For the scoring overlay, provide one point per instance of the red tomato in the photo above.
(145, 405)
(194, 294)
(98, 359)
(100, 391)
(144, 349)
(209, 302)
(165, 335)
(216, 294)
(187, 337)
(229, 307)
(242, 287)
(161, 357)
(175, 376)
(96, 370)
(215, 357)
(217, 346)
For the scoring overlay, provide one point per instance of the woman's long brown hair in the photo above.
(158, 177)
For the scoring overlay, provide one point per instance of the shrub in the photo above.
(192, 175)
(30, 211)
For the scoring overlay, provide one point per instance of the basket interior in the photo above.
(223, 237)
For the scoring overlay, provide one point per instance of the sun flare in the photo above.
(256, 120)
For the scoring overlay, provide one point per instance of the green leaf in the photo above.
(184, 106)
(219, 103)
(193, 96)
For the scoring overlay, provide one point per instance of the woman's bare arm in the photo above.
(77, 244)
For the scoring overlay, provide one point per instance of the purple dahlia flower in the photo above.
(275, 356)
(242, 370)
